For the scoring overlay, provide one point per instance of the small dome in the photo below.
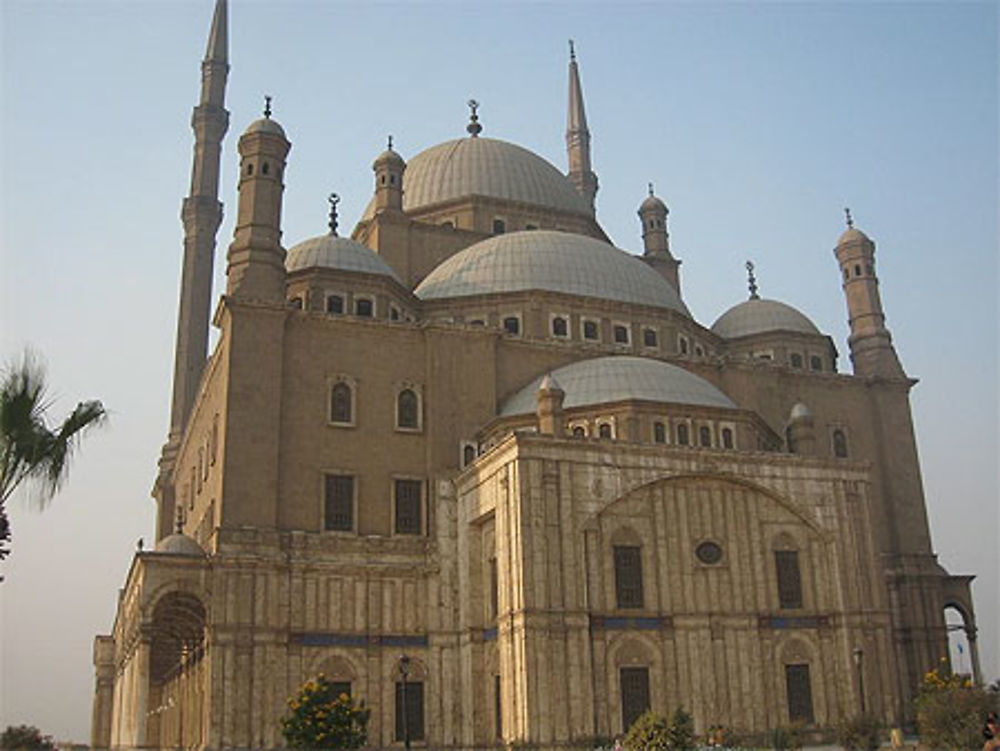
(652, 203)
(265, 125)
(389, 156)
(756, 316)
(485, 167)
(613, 379)
(799, 412)
(341, 253)
(180, 544)
(853, 235)
(554, 261)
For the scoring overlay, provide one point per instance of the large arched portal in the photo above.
(177, 647)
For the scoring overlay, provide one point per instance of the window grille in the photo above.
(407, 409)
(408, 507)
(628, 576)
(414, 710)
(340, 403)
(339, 503)
(635, 694)
(789, 579)
(800, 705)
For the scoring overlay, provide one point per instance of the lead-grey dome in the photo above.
(341, 253)
(756, 316)
(486, 167)
(613, 379)
(553, 261)
(180, 544)
(265, 125)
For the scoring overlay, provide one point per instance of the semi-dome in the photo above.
(553, 261)
(756, 316)
(487, 167)
(180, 544)
(613, 379)
(341, 253)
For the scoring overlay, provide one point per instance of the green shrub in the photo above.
(319, 717)
(786, 738)
(950, 710)
(652, 732)
(860, 733)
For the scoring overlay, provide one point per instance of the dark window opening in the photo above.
(393, 314)
(698, 350)
(512, 325)
(789, 579)
(709, 552)
(407, 409)
(604, 430)
(727, 438)
(621, 334)
(382, 179)
(392, 179)
(839, 444)
(628, 576)
(264, 169)
(659, 432)
(494, 589)
(341, 688)
(295, 303)
(497, 707)
(704, 436)
(682, 434)
(649, 337)
(250, 169)
(798, 685)
(816, 362)
(334, 304)
(364, 308)
(408, 507)
(449, 225)
(635, 694)
(590, 330)
(684, 346)
(559, 327)
(339, 503)
(796, 360)
(531, 226)
(340, 403)
(857, 270)
(499, 226)
(412, 723)
(847, 274)
(579, 432)
(468, 455)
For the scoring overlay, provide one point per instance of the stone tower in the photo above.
(578, 137)
(388, 168)
(256, 260)
(871, 344)
(656, 240)
(201, 215)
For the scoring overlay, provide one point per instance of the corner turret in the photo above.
(389, 168)
(656, 240)
(870, 341)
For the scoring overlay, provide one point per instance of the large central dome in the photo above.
(553, 261)
(486, 167)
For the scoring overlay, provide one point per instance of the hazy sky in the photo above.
(757, 123)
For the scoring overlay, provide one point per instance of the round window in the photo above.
(709, 552)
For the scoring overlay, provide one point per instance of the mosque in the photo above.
(485, 471)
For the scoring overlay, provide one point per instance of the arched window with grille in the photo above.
(839, 444)
(341, 404)
(408, 410)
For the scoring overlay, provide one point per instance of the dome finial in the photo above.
(752, 281)
(650, 188)
(474, 127)
(572, 52)
(267, 106)
(850, 221)
(390, 142)
(333, 199)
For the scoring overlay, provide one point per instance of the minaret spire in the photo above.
(578, 136)
(201, 215)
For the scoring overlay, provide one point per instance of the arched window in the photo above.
(407, 410)
(364, 307)
(683, 345)
(499, 226)
(659, 432)
(579, 432)
(559, 326)
(295, 303)
(340, 403)
(621, 334)
(839, 444)
(816, 362)
(682, 434)
(649, 337)
(628, 576)
(468, 454)
(604, 430)
(590, 330)
(512, 325)
(727, 438)
(786, 563)
(796, 360)
(704, 436)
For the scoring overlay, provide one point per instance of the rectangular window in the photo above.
(512, 325)
(497, 706)
(800, 703)
(339, 503)
(590, 330)
(494, 589)
(635, 694)
(789, 580)
(628, 576)
(410, 723)
(649, 337)
(408, 504)
(364, 308)
(334, 304)
(621, 334)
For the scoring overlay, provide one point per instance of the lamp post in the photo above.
(859, 664)
(404, 670)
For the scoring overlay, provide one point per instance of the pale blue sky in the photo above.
(756, 122)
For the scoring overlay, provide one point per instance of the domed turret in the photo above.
(800, 433)
(656, 240)
(389, 167)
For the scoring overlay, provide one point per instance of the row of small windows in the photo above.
(629, 594)
(682, 436)
(336, 304)
(408, 406)
(869, 269)
(339, 504)
(500, 226)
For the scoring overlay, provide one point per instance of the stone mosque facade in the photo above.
(478, 435)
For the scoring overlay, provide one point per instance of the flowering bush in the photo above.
(320, 717)
(950, 710)
(652, 732)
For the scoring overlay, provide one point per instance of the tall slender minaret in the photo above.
(201, 214)
(578, 137)
(871, 343)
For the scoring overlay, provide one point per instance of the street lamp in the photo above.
(859, 664)
(404, 670)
